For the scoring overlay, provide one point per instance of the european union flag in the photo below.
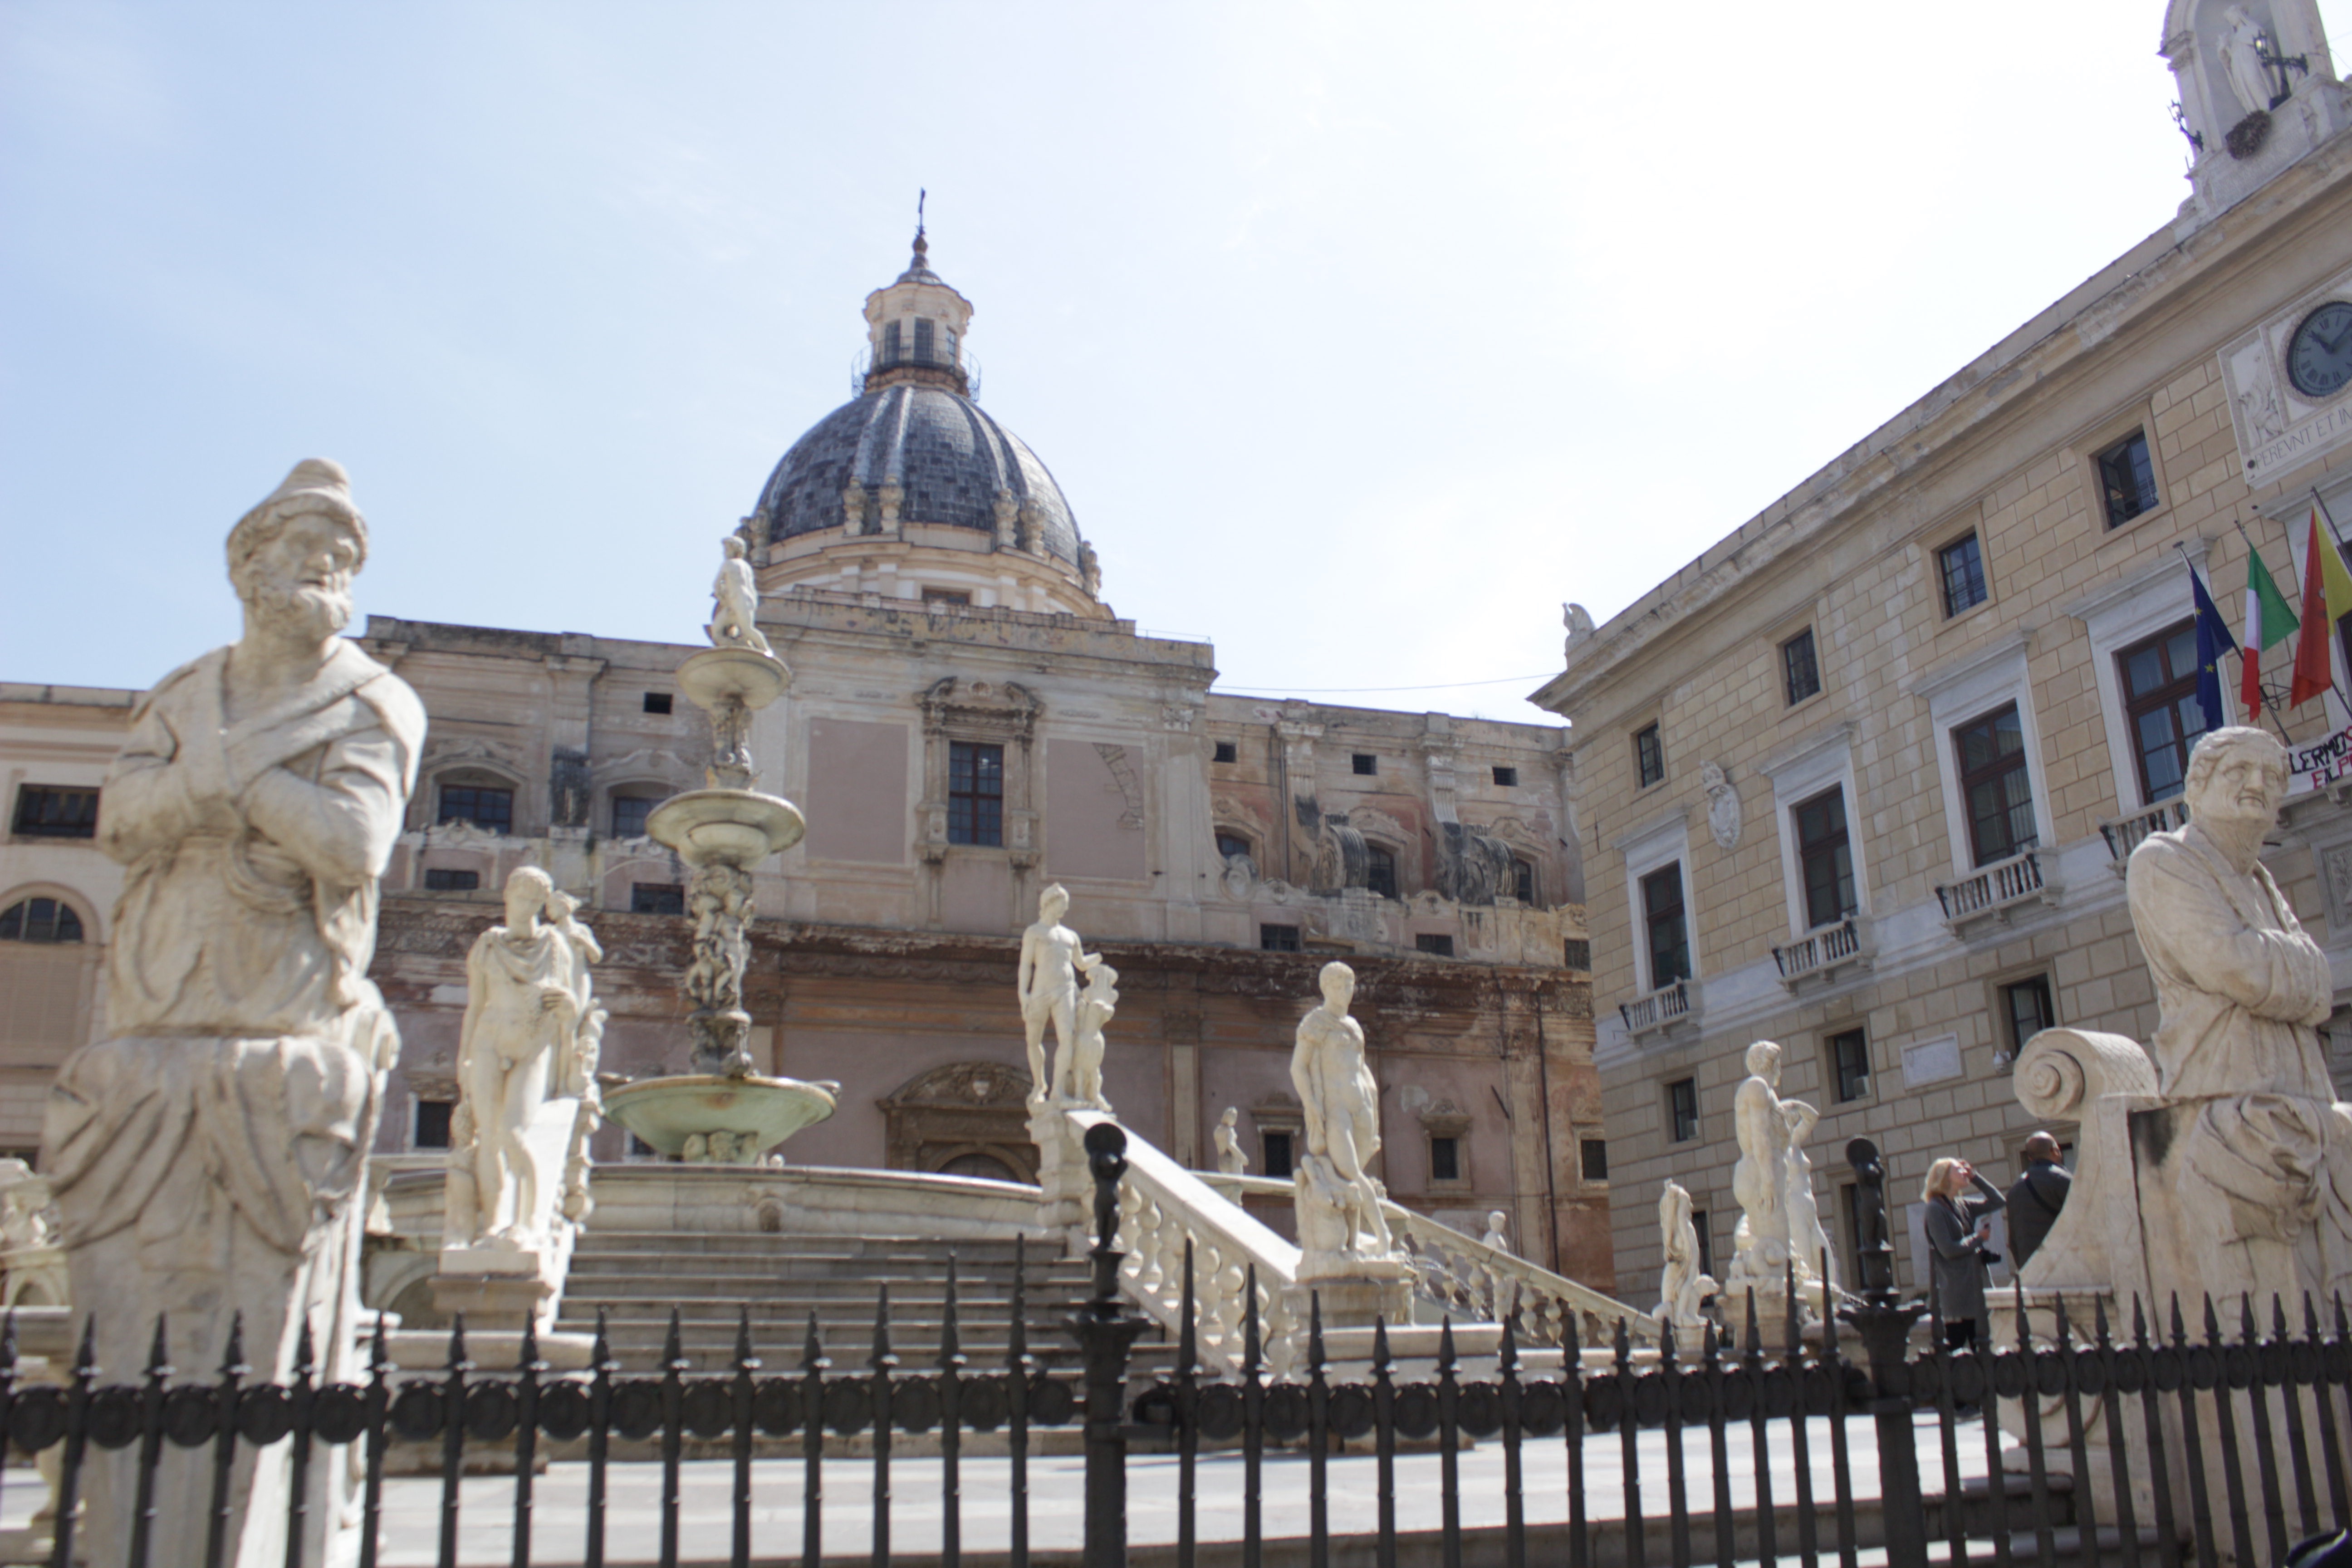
(2213, 641)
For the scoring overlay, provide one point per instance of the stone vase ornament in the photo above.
(208, 1156)
(724, 1112)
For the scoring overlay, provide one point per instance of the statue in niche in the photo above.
(1228, 1140)
(2263, 1151)
(1053, 956)
(1682, 1288)
(518, 1047)
(2243, 45)
(208, 1157)
(734, 621)
(1079, 1071)
(1339, 1200)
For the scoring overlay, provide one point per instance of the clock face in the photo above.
(2319, 358)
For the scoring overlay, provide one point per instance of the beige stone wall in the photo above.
(2005, 449)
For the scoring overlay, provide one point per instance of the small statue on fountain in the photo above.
(735, 619)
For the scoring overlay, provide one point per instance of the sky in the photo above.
(1359, 335)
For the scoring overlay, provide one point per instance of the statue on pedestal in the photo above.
(1340, 1218)
(208, 1156)
(1780, 1224)
(1053, 956)
(1083, 1069)
(1683, 1286)
(1230, 1158)
(735, 616)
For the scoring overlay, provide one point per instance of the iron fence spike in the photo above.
(233, 1359)
(86, 1356)
(159, 1364)
(305, 1350)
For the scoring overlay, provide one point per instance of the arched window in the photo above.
(1380, 870)
(470, 794)
(1232, 843)
(40, 920)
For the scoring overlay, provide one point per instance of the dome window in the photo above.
(890, 344)
(922, 340)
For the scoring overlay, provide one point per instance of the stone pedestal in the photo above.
(501, 1287)
(1065, 1185)
(1356, 1294)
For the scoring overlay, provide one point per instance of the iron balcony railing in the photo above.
(1727, 1450)
(1819, 950)
(2000, 886)
(1667, 1005)
(2126, 834)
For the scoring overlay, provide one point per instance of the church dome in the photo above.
(952, 464)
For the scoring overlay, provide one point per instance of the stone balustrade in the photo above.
(2125, 834)
(1821, 952)
(1994, 890)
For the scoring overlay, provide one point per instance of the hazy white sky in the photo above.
(1359, 336)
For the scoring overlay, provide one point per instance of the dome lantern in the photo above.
(915, 328)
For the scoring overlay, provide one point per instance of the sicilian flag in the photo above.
(2213, 641)
(2269, 622)
(2327, 595)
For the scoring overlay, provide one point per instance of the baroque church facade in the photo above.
(969, 723)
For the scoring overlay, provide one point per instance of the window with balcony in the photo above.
(1649, 756)
(1380, 870)
(1849, 1065)
(2128, 479)
(1824, 858)
(1682, 1109)
(2159, 687)
(1661, 914)
(1801, 673)
(55, 810)
(1961, 566)
(1994, 788)
(975, 792)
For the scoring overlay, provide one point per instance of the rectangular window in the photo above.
(1277, 938)
(922, 340)
(975, 794)
(1523, 881)
(432, 1124)
(1662, 908)
(946, 597)
(890, 344)
(1380, 870)
(629, 813)
(487, 808)
(1592, 1156)
(1649, 756)
(2025, 1008)
(657, 701)
(1507, 778)
(1433, 942)
(440, 880)
(1444, 1159)
(1228, 752)
(54, 811)
(1991, 753)
(2128, 479)
(1274, 1150)
(1575, 952)
(1364, 763)
(2159, 681)
(1960, 564)
(1849, 1054)
(1682, 1109)
(1706, 1242)
(1800, 674)
(1824, 858)
(656, 899)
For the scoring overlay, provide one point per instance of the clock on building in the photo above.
(2319, 356)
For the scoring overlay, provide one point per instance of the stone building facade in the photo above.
(1862, 777)
(968, 724)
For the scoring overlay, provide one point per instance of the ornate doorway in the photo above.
(967, 1118)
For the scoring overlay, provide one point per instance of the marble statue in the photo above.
(527, 1003)
(1080, 1077)
(586, 1055)
(2263, 1151)
(1683, 1287)
(1497, 1236)
(1339, 1200)
(719, 901)
(1778, 1227)
(208, 1156)
(27, 1217)
(1502, 1287)
(734, 622)
(1228, 1139)
(1577, 620)
(2242, 59)
(1053, 956)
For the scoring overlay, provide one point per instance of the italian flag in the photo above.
(2327, 595)
(2269, 621)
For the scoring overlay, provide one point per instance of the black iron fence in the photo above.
(2150, 1450)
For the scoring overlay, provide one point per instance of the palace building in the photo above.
(1862, 777)
(969, 723)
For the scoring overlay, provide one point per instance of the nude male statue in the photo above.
(1760, 1179)
(1341, 1101)
(734, 622)
(1053, 956)
(523, 1010)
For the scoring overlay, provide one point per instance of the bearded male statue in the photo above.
(208, 1156)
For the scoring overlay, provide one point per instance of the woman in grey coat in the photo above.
(1956, 1237)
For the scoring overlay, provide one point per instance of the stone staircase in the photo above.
(638, 1277)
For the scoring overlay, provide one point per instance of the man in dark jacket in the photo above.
(2035, 1200)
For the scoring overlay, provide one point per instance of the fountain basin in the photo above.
(715, 676)
(726, 826)
(666, 1112)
